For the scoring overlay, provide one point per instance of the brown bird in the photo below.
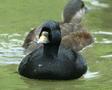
(73, 33)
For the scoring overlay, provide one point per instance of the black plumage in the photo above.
(52, 60)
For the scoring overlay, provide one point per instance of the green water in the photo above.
(16, 19)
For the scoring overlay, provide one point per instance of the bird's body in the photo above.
(71, 27)
(68, 65)
(52, 60)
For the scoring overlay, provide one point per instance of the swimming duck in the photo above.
(71, 9)
(52, 60)
(71, 28)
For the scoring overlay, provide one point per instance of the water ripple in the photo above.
(91, 75)
(106, 40)
(102, 33)
(11, 51)
(106, 56)
(97, 3)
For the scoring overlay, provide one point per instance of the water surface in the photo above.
(16, 19)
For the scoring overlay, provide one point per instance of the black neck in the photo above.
(50, 50)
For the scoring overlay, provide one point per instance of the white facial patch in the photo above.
(43, 38)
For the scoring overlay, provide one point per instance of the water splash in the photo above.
(89, 46)
(91, 75)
